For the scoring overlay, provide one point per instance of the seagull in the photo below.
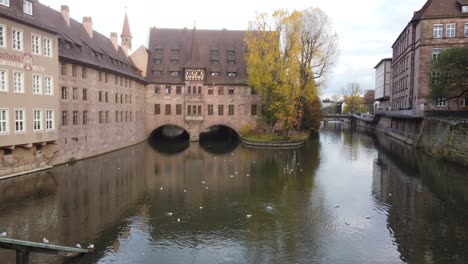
(91, 246)
(203, 182)
(78, 245)
(118, 168)
(169, 214)
(269, 208)
(237, 172)
(367, 217)
(248, 175)
(162, 188)
(178, 219)
(3, 234)
(346, 223)
(231, 176)
(185, 190)
(201, 207)
(206, 187)
(45, 241)
(390, 194)
(249, 215)
(337, 206)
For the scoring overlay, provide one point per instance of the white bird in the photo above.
(201, 207)
(231, 176)
(162, 188)
(169, 214)
(249, 215)
(78, 245)
(3, 234)
(91, 246)
(178, 219)
(185, 190)
(203, 182)
(237, 172)
(118, 168)
(45, 241)
(269, 208)
(390, 194)
(206, 187)
(248, 175)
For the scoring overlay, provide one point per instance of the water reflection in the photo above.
(327, 202)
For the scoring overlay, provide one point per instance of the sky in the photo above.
(366, 28)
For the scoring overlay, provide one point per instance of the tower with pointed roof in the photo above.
(126, 36)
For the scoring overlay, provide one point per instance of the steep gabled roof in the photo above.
(126, 28)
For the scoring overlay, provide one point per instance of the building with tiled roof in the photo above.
(92, 86)
(198, 79)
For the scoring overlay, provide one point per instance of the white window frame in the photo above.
(466, 30)
(462, 102)
(21, 121)
(50, 120)
(438, 31)
(17, 39)
(37, 83)
(18, 84)
(451, 30)
(441, 102)
(465, 9)
(435, 53)
(48, 85)
(3, 80)
(47, 47)
(37, 120)
(4, 122)
(28, 7)
(5, 2)
(36, 44)
(3, 36)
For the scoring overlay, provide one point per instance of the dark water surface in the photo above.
(345, 197)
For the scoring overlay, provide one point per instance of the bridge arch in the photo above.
(169, 139)
(219, 139)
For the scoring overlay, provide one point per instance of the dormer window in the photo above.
(27, 7)
(214, 52)
(5, 2)
(232, 74)
(175, 51)
(465, 9)
(231, 52)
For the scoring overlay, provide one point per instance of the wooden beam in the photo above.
(27, 246)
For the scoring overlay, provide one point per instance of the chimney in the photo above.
(114, 40)
(66, 14)
(88, 25)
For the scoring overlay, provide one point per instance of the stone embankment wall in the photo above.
(446, 139)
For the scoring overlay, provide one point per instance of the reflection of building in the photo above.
(63, 83)
(439, 24)
(28, 86)
(198, 79)
(383, 71)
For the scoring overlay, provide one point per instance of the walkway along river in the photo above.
(345, 197)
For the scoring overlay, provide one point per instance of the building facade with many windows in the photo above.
(29, 105)
(439, 24)
(198, 79)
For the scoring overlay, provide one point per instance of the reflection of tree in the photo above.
(427, 204)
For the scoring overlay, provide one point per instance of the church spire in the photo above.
(126, 36)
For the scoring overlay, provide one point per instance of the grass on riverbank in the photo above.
(272, 137)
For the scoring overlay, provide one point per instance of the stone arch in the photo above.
(168, 132)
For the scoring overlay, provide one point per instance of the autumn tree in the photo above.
(449, 77)
(288, 57)
(353, 100)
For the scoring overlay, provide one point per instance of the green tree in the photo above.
(449, 76)
(353, 100)
(288, 57)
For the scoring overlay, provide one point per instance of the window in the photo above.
(199, 110)
(179, 90)
(47, 49)
(116, 116)
(49, 119)
(2, 35)
(465, 9)
(35, 44)
(100, 96)
(168, 109)
(450, 30)
(85, 94)
(64, 92)
(231, 62)
(75, 118)
(157, 61)
(210, 109)
(107, 116)
(157, 73)
(106, 97)
(3, 80)
(231, 52)
(168, 89)
(106, 79)
(215, 74)
(74, 71)
(189, 90)
(157, 109)
(121, 116)
(18, 82)
(3, 121)
(100, 76)
(438, 29)
(221, 90)
(214, 62)
(441, 101)
(48, 85)
(63, 68)
(466, 30)
(220, 109)
(37, 84)
(178, 109)
(121, 98)
(19, 121)
(37, 120)
(85, 117)
(157, 89)
(231, 90)
(462, 102)
(64, 118)
(174, 73)
(210, 90)
(231, 109)
(232, 74)
(100, 117)
(75, 93)
(5, 2)
(435, 78)
(214, 52)
(174, 61)
(17, 39)
(27, 7)
(253, 110)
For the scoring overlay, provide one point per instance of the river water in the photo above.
(345, 197)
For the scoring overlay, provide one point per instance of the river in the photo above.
(344, 197)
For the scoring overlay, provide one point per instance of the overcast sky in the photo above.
(366, 28)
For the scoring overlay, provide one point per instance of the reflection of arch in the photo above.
(169, 139)
(230, 123)
(219, 139)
